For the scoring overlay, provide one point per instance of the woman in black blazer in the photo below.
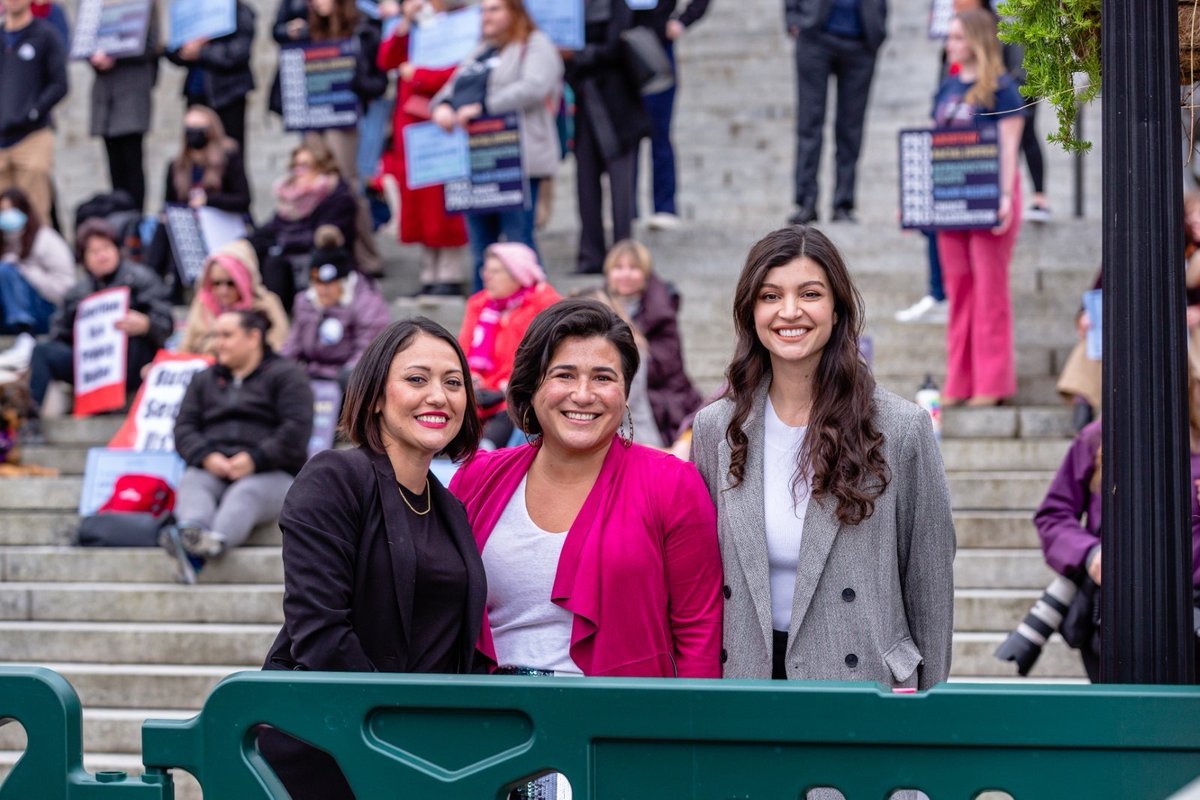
(381, 572)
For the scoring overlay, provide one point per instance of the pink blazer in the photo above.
(640, 568)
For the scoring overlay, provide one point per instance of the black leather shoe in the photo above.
(446, 290)
(844, 215)
(803, 215)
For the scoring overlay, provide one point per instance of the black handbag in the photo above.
(121, 529)
(647, 61)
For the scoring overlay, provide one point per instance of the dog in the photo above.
(15, 403)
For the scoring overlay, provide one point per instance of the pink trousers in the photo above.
(979, 334)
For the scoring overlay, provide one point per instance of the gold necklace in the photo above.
(428, 500)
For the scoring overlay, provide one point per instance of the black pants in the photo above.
(590, 164)
(819, 56)
(125, 169)
(1031, 146)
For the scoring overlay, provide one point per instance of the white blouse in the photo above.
(784, 514)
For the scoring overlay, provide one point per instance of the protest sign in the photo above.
(200, 19)
(1093, 306)
(150, 424)
(99, 352)
(433, 156)
(642, 5)
(561, 20)
(445, 39)
(316, 83)
(949, 178)
(327, 405)
(196, 232)
(497, 181)
(114, 27)
(104, 466)
(369, 8)
(940, 14)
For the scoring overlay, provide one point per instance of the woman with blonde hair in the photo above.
(652, 306)
(979, 338)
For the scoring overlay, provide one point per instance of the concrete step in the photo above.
(1000, 491)
(135, 565)
(1006, 422)
(29, 494)
(996, 610)
(186, 785)
(67, 459)
(112, 730)
(1038, 391)
(1003, 454)
(46, 528)
(117, 685)
(995, 529)
(987, 568)
(143, 643)
(973, 656)
(106, 602)
(90, 431)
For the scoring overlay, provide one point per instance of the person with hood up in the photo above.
(231, 282)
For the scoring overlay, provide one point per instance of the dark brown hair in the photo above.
(33, 222)
(213, 158)
(90, 229)
(368, 383)
(522, 24)
(251, 319)
(340, 23)
(576, 318)
(842, 449)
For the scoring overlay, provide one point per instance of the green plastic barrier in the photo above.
(476, 737)
(52, 765)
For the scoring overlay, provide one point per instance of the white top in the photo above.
(784, 515)
(520, 560)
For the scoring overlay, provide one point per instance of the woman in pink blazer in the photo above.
(601, 555)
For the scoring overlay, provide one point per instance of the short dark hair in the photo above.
(251, 319)
(575, 318)
(90, 229)
(359, 421)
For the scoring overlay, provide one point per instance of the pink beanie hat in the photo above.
(520, 261)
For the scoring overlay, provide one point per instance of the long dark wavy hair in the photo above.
(842, 449)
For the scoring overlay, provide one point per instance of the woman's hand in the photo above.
(1083, 324)
(407, 70)
(190, 51)
(411, 8)
(389, 9)
(297, 28)
(444, 117)
(675, 29)
(469, 112)
(1003, 215)
(240, 466)
(216, 465)
(134, 323)
(101, 61)
(197, 197)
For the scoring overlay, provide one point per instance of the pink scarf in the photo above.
(482, 356)
(293, 201)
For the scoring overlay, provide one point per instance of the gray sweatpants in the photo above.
(232, 509)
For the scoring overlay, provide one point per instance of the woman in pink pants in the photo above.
(979, 340)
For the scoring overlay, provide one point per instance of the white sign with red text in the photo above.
(100, 351)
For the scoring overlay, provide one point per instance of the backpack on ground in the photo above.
(133, 516)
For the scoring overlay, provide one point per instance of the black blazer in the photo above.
(810, 16)
(350, 568)
(349, 575)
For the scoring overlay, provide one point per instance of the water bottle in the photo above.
(929, 397)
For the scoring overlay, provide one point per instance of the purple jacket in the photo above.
(324, 340)
(1066, 541)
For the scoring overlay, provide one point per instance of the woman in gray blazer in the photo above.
(832, 506)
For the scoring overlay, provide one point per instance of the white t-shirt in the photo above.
(521, 560)
(784, 515)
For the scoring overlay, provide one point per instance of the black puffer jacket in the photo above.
(226, 62)
(269, 415)
(147, 294)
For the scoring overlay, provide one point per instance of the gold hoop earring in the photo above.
(626, 440)
(535, 439)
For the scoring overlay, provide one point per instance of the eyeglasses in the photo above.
(219, 284)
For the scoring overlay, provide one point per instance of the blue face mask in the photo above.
(12, 220)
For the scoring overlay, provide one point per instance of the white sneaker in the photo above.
(925, 310)
(17, 357)
(663, 221)
(1039, 213)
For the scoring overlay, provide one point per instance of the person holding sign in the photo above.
(423, 217)
(979, 334)
(243, 431)
(218, 72)
(230, 282)
(516, 68)
(380, 570)
(147, 324)
(121, 109)
(337, 316)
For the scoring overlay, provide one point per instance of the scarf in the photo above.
(294, 202)
(482, 357)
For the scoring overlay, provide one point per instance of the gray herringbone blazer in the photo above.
(874, 601)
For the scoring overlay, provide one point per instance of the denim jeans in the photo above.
(21, 307)
(936, 288)
(484, 230)
(661, 107)
(372, 130)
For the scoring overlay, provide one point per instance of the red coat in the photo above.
(423, 217)
(512, 330)
(640, 569)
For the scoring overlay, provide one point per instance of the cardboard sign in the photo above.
(497, 181)
(196, 232)
(445, 39)
(327, 405)
(100, 352)
(940, 14)
(200, 19)
(114, 27)
(104, 466)
(433, 156)
(561, 20)
(949, 178)
(150, 424)
(317, 85)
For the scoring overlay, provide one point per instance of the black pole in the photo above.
(1079, 196)
(1146, 582)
